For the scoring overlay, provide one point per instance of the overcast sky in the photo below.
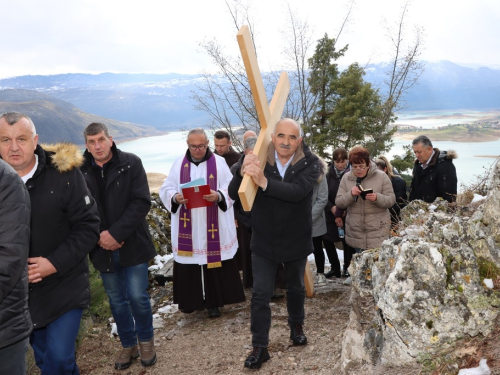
(95, 36)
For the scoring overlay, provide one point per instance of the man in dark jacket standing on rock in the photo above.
(434, 174)
(281, 231)
(64, 228)
(15, 322)
(118, 182)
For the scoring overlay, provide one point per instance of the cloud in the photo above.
(56, 36)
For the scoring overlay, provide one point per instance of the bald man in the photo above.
(282, 231)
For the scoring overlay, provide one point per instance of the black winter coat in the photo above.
(281, 215)
(64, 228)
(439, 179)
(126, 204)
(333, 182)
(15, 212)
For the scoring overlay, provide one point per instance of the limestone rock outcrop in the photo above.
(423, 291)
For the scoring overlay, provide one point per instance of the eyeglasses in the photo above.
(359, 168)
(199, 147)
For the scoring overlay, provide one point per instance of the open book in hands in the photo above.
(194, 191)
(364, 191)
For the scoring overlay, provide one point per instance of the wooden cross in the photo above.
(268, 115)
(212, 231)
(185, 219)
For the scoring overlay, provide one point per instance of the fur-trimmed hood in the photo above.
(323, 169)
(440, 156)
(63, 156)
(450, 154)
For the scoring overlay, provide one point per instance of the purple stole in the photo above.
(185, 246)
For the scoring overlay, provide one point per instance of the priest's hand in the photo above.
(107, 242)
(212, 197)
(39, 268)
(179, 198)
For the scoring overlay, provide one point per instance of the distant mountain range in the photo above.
(56, 120)
(164, 100)
(445, 85)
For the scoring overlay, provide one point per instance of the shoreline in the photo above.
(462, 138)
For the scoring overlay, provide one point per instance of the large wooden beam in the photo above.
(268, 116)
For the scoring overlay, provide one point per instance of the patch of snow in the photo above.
(114, 330)
(482, 369)
(432, 207)
(478, 198)
(488, 283)
(169, 309)
(160, 261)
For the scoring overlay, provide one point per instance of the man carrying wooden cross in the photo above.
(282, 230)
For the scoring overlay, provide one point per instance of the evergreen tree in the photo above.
(404, 163)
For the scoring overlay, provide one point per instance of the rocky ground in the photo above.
(194, 344)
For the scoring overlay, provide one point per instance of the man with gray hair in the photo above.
(64, 228)
(434, 174)
(281, 231)
(118, 182)
(203, 235)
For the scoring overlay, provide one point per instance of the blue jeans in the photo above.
(264, 275)
(127, 289)
(12, 358)
(54, 344)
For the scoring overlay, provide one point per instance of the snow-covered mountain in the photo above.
(164, 100)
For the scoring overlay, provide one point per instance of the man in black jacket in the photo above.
(118, 182)
(281, 231)
(15, 322)
(222, 147)
(434, 174)
(64, 228)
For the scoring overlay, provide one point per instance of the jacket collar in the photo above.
(89, 159)
(207, 156)
(300, 153)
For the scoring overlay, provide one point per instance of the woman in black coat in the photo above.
(399, 186)
(334, 216)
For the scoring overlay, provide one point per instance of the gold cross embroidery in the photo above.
(185, 219)
(212, 231)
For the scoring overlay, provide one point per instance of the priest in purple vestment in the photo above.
(203, 239)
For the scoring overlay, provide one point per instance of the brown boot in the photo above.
(148, 352)
(125, 358)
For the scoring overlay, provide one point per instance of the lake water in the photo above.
(159, 153)
(433, 119)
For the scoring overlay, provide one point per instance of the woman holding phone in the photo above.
(367, 194)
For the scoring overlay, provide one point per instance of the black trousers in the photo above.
(264, 276)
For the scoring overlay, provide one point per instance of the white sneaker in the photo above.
(320, 279)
